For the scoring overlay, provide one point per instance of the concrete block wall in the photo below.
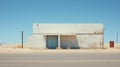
(37, 41)
(69, 41)
(67, 28)
(89, 41)
(83, 35)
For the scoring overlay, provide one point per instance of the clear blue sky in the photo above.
(17, 15)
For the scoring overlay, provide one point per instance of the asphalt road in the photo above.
(60, 60)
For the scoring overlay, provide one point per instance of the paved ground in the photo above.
(60, 59)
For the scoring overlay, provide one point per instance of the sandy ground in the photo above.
(28, 50)
(16, 48)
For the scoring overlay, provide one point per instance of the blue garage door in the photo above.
(52, 41)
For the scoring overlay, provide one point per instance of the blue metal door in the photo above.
(52, 41)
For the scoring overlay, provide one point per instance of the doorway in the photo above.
(52, 41)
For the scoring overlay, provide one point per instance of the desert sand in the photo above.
(28, 50)
(17, 49)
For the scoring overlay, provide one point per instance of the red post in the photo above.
(111, 44)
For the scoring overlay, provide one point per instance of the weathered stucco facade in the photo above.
(65, 36)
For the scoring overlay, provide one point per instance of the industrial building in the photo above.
(64, 36)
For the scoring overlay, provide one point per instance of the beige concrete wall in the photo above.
(89, 41)
(67, 28)
(83, 35)
(69, 41)
(37, 41)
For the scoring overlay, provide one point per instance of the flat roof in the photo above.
(68, 28)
